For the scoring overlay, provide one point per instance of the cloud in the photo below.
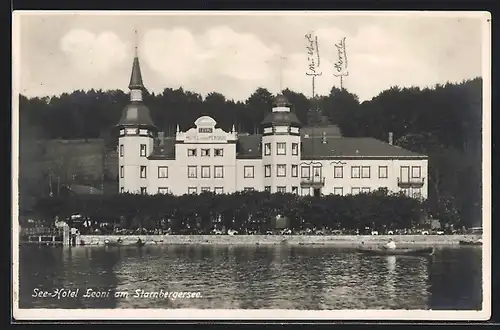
(236, 55)
(92, 54)
(180, 57)
(211, 60)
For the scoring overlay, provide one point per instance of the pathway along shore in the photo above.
(337, 240)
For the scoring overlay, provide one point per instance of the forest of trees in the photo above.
(443, 122)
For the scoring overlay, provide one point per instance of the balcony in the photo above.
(411, 182)
(315, 182)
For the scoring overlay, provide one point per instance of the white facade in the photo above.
(205, 159)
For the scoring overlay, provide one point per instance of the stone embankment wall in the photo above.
(340, 240)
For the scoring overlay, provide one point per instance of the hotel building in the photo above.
(286, 157)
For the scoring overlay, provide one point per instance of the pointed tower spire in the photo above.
(136, 76)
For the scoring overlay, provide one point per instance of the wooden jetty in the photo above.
(44, 236)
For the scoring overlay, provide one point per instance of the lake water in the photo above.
(250, 277)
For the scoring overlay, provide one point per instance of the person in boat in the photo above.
(391, 245)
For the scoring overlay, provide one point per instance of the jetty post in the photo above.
(66, 235)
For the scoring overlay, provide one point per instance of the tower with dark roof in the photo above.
(136, 136)
(281, 148)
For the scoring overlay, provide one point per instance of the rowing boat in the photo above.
(428, 251)
(470, 243)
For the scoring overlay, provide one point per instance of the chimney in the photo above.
(161, 138)
(391, 138)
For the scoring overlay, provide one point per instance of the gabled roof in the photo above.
(164, 151)
(248, 146)
(328, 130)
(315, 148)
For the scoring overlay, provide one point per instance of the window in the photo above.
(355, 172)
(338, 172)
(121, 150)
(122, 190)
(144, 190)
(218, 152)
(267, 171)
(281, 189)
(267, 149)
(295, 189)
(317, 171)
(267, 188)
(281, 170)
(205, 189)
(218, 172)
(280, 148)
(122, 172)
(354, 191)
(205, 152)
(163, 190)
(338, 191)
(192, 190)
(205, 172)
(191, 152)
(305, 172)
(248, 171)
(382, 172)
(365, 172)
(192, 172)
(415, 172)
(365, 190)
(306, 191)
(162, 172)
(219, 190)
(248, 189)
(143, 172)
(295, 171)
(295, 149)
(143, 150)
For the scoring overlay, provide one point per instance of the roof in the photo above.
(281, 101)
(328, 130)
(248, 146)
(314, 148)
(83, 190)
(136, 76)
(164, 151)
(335, 147)
(136, 114)
(281, 118)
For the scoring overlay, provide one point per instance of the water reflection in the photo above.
(253, 277)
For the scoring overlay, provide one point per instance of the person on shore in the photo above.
(391, 245)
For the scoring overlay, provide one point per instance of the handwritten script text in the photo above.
(313, 57)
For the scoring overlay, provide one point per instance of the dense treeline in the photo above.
(241, 211)
(444, 122)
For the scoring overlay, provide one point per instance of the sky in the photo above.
(235, 53)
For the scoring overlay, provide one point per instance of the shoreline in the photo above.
(303, 240)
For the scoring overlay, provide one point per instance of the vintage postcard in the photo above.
(251, 165)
